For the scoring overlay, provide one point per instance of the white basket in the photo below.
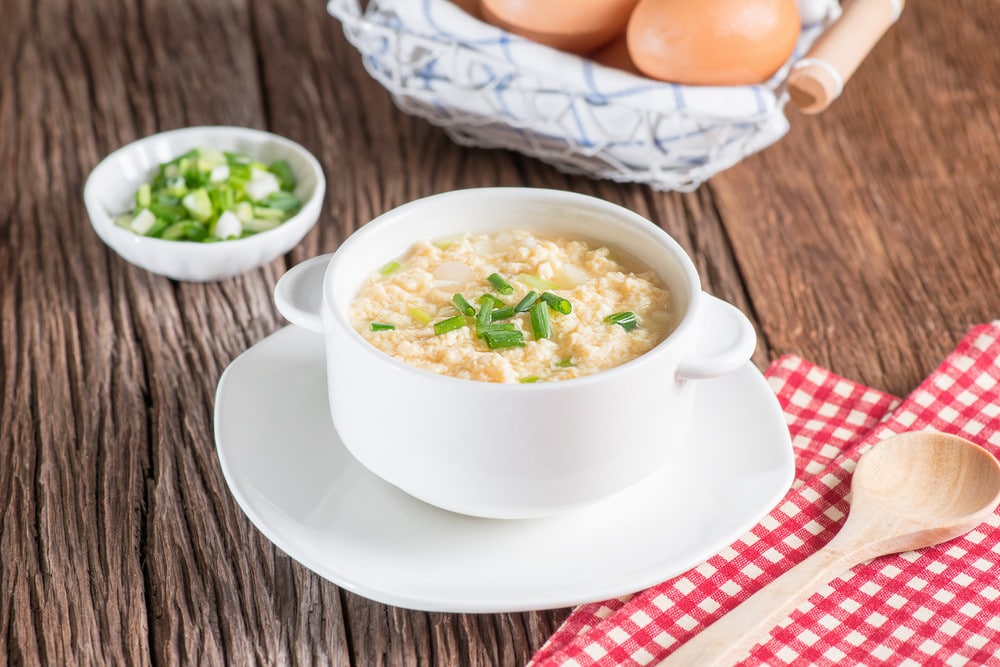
(491, 89)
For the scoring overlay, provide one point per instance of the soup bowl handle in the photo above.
(299, 293)
(725, 344)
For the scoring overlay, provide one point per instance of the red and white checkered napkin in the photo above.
(935, 606)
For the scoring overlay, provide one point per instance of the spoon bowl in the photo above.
(935, 486)
(910, 491)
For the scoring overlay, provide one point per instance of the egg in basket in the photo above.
(472, 69)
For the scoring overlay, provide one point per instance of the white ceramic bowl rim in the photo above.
(679, 256)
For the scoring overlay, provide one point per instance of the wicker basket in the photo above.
(491, 89)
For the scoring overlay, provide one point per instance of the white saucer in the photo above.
(299, 485)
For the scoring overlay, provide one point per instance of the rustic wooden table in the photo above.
(866, 241)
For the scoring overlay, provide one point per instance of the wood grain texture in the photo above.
(865, 240)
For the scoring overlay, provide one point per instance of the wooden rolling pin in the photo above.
(817, 79)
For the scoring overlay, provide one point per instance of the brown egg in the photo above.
(578, 26)
(470, 7)
(712, 42)
(615, 54)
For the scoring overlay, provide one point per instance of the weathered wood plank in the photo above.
(867, 236)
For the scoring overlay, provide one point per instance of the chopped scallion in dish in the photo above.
(557, 303)
(463, 306)
(500, 284)
(626, 320)
(207, 195)
(450, 324)
(527, 302)
(540, 324)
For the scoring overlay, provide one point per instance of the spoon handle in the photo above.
(730, 638)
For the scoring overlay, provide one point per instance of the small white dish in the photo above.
(111, 186)
(303, 490)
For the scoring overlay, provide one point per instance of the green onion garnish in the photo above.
(500, 284)
(390, 268)
(501, 339)
(540, 323)
(565, 363)
(527, 302)
(531, 379)
(450, 324)
(502, 314)
(626, 320)
(379, 326)
(421, 315)
(557, 303)
(447, 242)
(484, 316)
(494, 328)
(463, 306)
(536, 282)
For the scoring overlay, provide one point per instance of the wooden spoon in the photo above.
(910, 491)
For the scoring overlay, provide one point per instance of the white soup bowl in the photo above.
(513, 450)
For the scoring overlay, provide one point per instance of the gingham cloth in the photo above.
(936, 606)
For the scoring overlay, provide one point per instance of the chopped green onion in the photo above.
(256, 225)
(463, 306)
(499, 284)
(223, 198)
(626, 320)
(420, 315)
(486, 303)
(540, 323)
(185, 230)
(159, 228)
(283, 201)
(284, 173)
(501, 339)
(166, 199)
(447, 242)
(450, 324)
(175, 187)
(557, 303)
(168, 213)
(236, 158)
(144, 196)
(198, 204)
(379, 326)
(502, 314)
(494, 328)
(195, 179)
(200, 186)
(527, 302)
(565, 363)
(209, 158)
(239, 172)
(266, 213)
(497, 303)
(531, 379)
(244, 211)
(390, 268)
(536, 282)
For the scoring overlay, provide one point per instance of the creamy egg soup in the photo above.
(513, 307)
